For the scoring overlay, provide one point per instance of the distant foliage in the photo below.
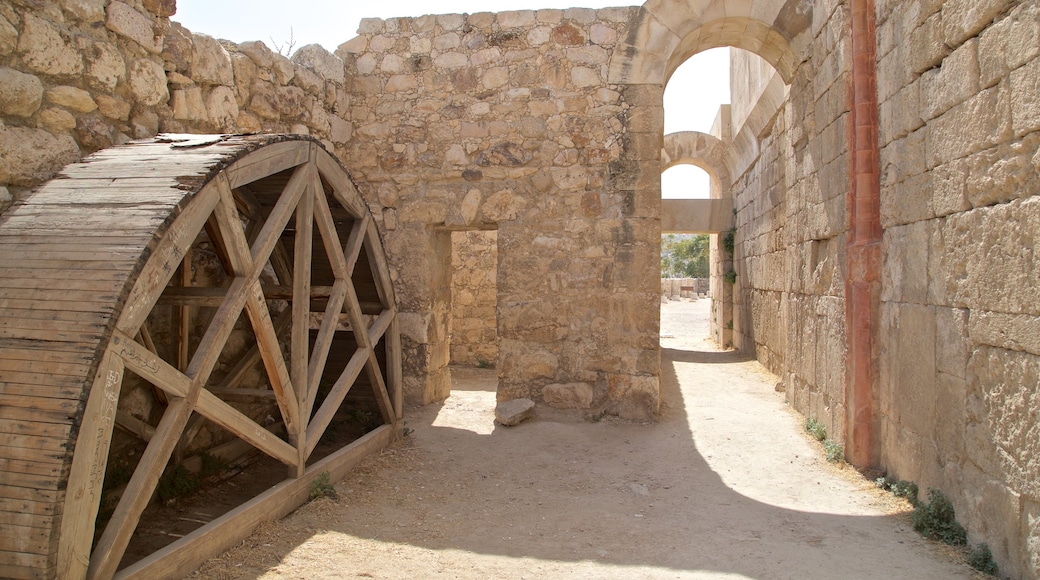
(684, 256)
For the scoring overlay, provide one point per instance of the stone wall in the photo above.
(790, 239)
(474, 293)
(956, 405)
(959, 87)
(448, 123)
(545, 126)
(505, 121)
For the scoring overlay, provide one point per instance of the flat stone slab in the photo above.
(514, 412)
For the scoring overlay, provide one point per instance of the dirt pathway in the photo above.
(725, 485)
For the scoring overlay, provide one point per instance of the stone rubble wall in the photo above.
(505, 121)
(453, 122)
(959, 93)
(474, 294)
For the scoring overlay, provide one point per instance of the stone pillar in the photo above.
(423, 253)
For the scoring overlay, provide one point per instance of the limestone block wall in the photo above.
(788, 297)
(474, 296)
(959, 86)
(505, 121)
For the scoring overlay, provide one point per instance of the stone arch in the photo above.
(701, 150)
(667, 32)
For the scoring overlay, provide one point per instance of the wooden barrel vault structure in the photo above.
(150, 306)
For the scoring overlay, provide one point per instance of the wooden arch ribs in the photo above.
(301, 266)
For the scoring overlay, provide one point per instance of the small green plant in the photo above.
(729, 239)
(177, 481)
(936, 520)
(406, 430)
(815, 428)
(321, 487)
(730, 277)
(484, 364)
(981, 559)
(834, 451)
(729, 325)
(899, 488)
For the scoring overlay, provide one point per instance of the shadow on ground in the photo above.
(724, 485)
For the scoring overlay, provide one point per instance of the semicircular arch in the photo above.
(698, 149)
(667, 32)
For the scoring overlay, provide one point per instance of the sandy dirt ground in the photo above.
(725, 485)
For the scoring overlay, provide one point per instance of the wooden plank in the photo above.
(74, 306)
(56, 367)
(87, 471)
(330, 323)
(88, 333)
(267, 161)
(58, 432)
(395, 379)
(147, 365)
(380, 269)
(327, 229)
(29, 466)
(188, 553)
(343, 187)
(164, 260)
(379, 326)
(301, 308)
(216, 410)
(19, 572)
(229, 223)
(32, 480)
(68, 407)
(202, 297)
(243, 394)
(45, 448)
(271, 232)
(21, 506)
(25, 539)
(271, 353)
(72, 285)
(355, 243)
(42, 379)
(134, 426)
(323, 417)
(63, 275)
(42, 391)
(36, 448)
(28, 520)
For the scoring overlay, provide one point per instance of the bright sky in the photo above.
(692, 97)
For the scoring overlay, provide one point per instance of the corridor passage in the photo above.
(724, 485)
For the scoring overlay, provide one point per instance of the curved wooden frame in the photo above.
(129, 211)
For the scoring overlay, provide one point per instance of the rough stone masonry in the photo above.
(545, 126)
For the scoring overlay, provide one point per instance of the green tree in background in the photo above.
(684, 256)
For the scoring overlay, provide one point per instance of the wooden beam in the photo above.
(271, 352)
(330, 323)
(147, 365)
(301, 309)
(211, 407)
(334, 399)
(87, 474)
(267, 161)
(271, 232)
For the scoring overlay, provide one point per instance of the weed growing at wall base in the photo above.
(936, 520)
(322, 487)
